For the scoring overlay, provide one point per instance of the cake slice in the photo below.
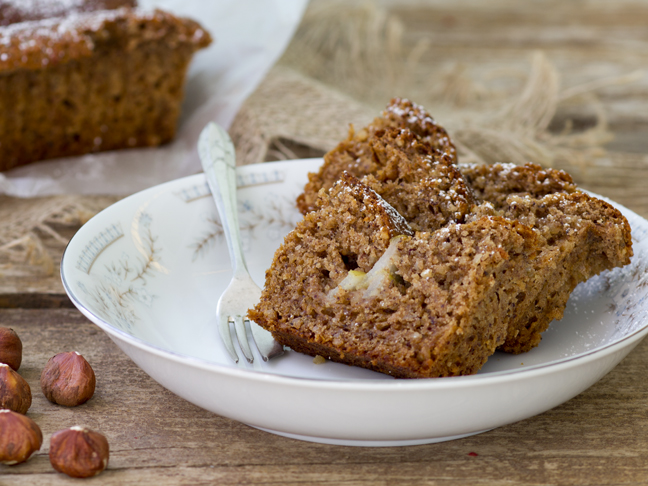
(581, 236)
(350, 232)
(355, 156)
(352, 283)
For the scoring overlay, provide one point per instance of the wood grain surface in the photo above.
(588, 40)
(599, 437)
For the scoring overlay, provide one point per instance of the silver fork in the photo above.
(216, 153)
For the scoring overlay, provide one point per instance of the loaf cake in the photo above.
(91, 80)
(352, 284)
(355, 155)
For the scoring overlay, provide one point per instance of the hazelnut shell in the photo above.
(20, 437)
(78, 452)
(15, 393)
(10, 348)
(68, 379)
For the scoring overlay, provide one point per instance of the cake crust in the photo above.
(355, 155)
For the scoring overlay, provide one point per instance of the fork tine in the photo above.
(241, 335)
(226, 337)
(217, 156)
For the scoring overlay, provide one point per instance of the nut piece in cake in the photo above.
(354, 155)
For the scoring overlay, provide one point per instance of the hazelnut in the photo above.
(68, 379)
(10, 348)
(78, 452)
(20, 437)
(15, 393)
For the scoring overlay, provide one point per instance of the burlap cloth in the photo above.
(342, 67)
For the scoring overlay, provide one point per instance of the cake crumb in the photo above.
(466, 260)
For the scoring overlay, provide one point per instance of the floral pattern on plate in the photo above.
(123, 281)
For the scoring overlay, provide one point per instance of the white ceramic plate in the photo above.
(149, 270)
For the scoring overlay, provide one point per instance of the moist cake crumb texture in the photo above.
(410, 264)
(355, 154)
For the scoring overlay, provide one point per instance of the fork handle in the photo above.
(216, 146)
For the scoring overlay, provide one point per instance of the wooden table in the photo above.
(599, 437)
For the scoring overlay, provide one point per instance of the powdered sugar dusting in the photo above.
(403, 112)
(15, 11)
(38, 43)
(46, 8)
